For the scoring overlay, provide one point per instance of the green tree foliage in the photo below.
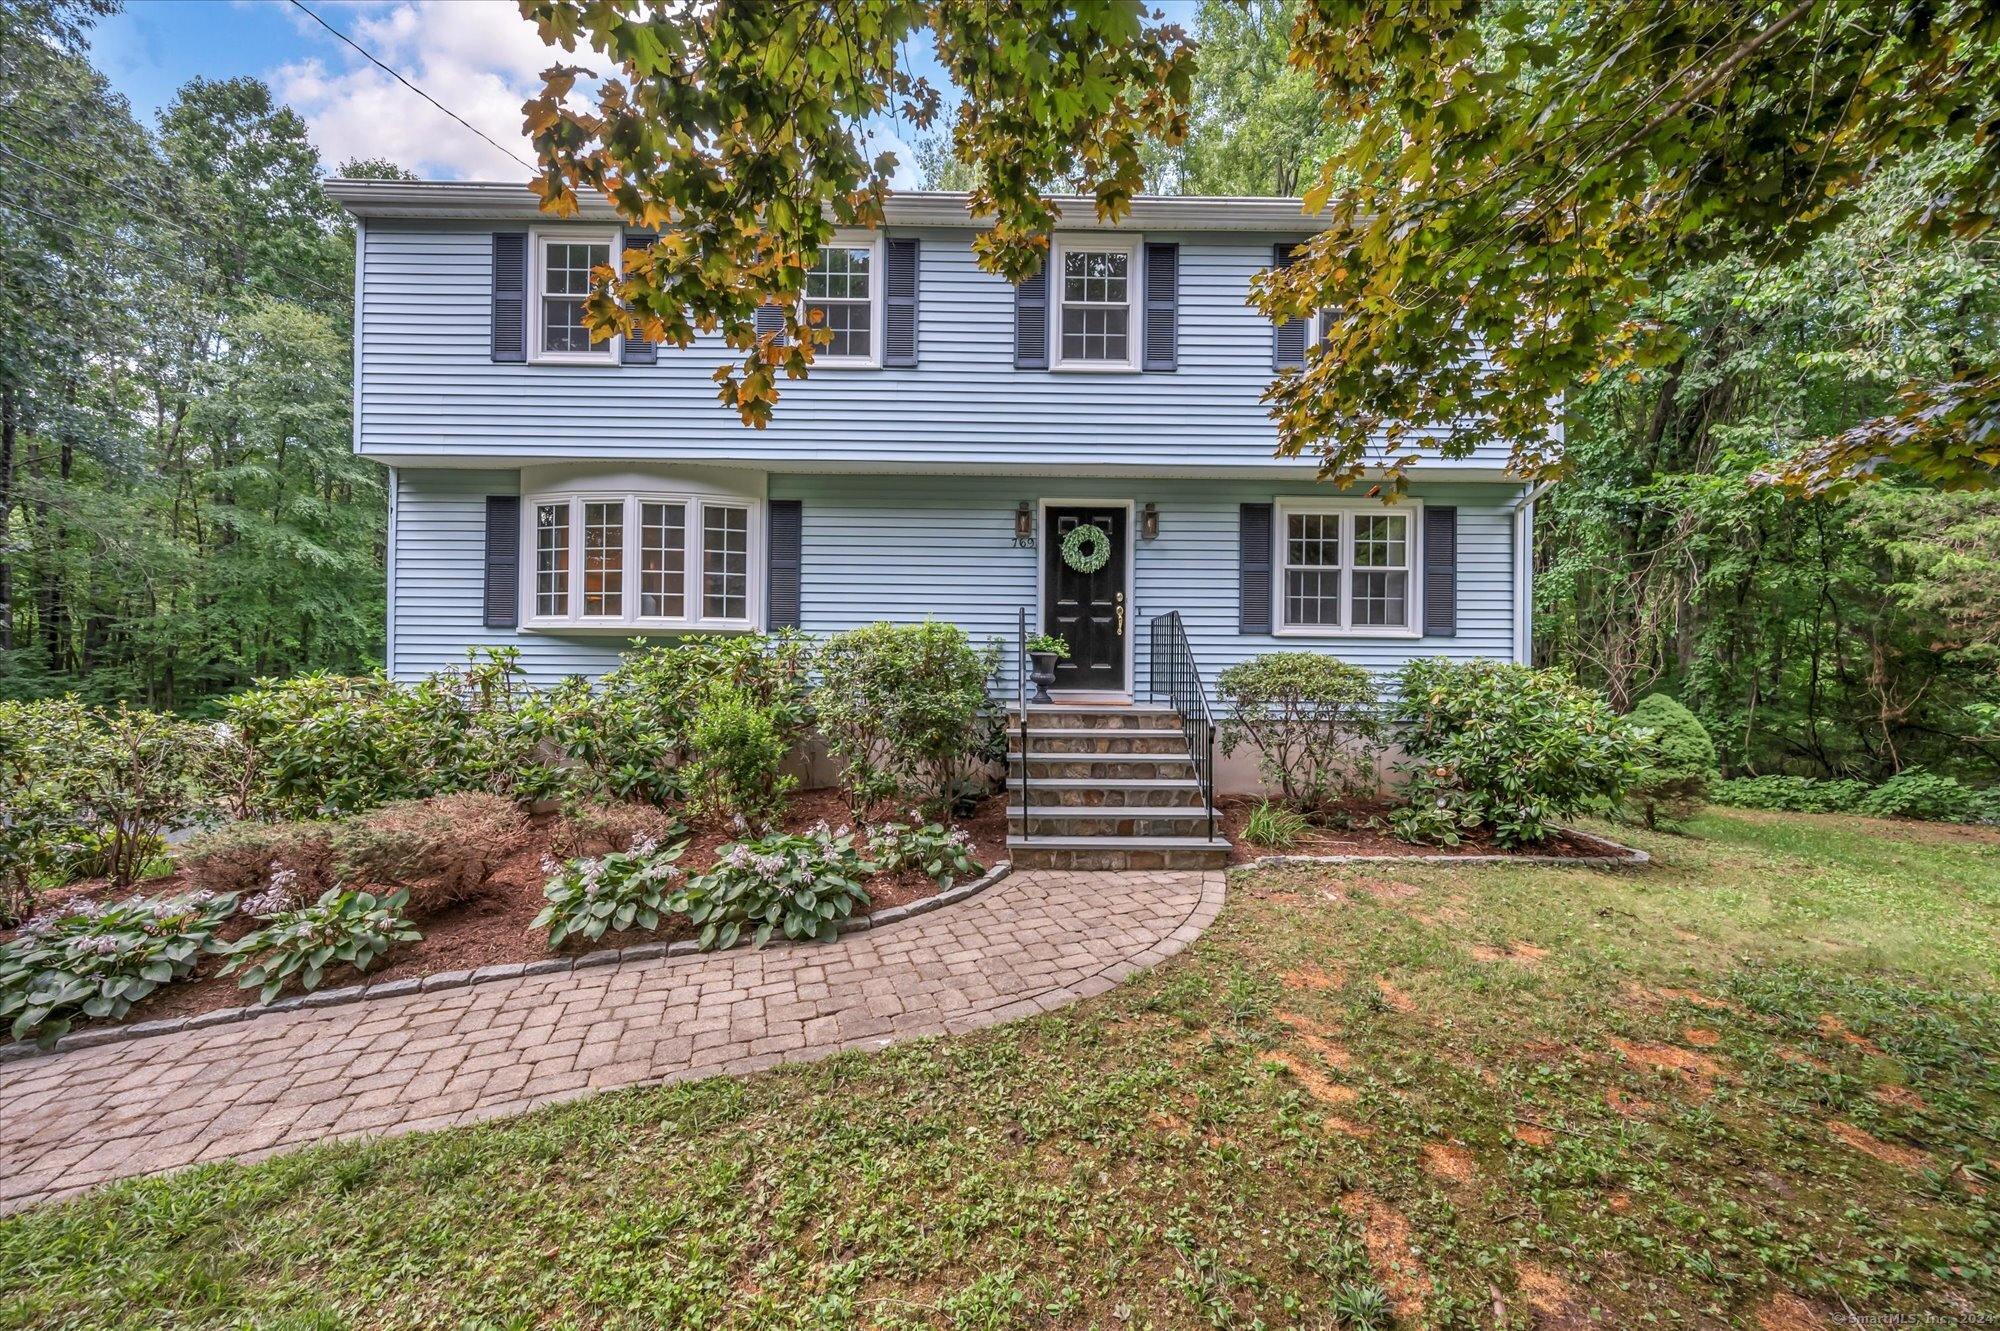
(180, 507)
(734, 129)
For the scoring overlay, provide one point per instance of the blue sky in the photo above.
(478, 57)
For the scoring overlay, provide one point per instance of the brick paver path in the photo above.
(1032, 943)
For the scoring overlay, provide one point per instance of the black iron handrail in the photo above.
(1175, 674)
(1027, 665)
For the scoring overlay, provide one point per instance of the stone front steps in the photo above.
(1107, 787)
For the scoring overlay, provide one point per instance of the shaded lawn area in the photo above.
(1753, 1086)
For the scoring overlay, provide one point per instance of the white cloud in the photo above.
(478, 57)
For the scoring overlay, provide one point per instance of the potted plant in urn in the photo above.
(1045, 649)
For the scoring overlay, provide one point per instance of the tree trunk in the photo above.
(10, 412)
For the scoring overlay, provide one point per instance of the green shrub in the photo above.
(87, 960)
(1790, 794)
(941, 852)
(240, 857)
(1677, 760)
(1274, 827)
(903, 709)
(107, 781)
(797, 886)
(624, 890)
(1930, 796)
(1314, 720)
(343, 926)
(1504, 748)
(734, 707)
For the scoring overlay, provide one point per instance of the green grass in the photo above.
(1355, 1093)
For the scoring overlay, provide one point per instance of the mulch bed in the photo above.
(493, 928)
(1365, 831)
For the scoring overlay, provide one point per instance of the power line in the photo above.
(370, 56)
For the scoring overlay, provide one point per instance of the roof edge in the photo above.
(501, 200)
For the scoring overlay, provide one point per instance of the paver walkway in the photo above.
(1031, 943)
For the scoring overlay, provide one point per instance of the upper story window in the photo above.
(563, 261)
(1097, 298)
(642, 559)
(1347, 569)
(844, 284)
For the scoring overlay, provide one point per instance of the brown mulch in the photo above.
(1359, 827)
(493, 928)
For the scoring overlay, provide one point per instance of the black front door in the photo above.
(1086, 610)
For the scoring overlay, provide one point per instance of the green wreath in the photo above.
(1086, 549)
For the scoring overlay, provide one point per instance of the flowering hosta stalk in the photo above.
(588, 897)
(280, 894)
(799, 886)
(91, 960)
(943, 853)
(342, 926)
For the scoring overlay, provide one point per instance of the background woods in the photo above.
(179, 507)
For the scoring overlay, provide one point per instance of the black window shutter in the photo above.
(771, 319)
(1441, 572)
(1253, 526)
(510, 296)
(1031, 321)
(784, 534)
(899, 339)
(637, 350)
(1162, 345)
(503, 560)
(1288, 339)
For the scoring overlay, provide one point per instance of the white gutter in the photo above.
(1523, 510)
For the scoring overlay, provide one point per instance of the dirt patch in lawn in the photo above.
(1903, 1157)
(1305, 1032)
(1534, 1134)
(495, 927)
(1315, 1082)
(1453, 1164)
(1557, 1305)
(1313, 978)
(1668, 1058)
(1397, 1000)
(1362, 828)
(1389, 1240)
(1788, 1312)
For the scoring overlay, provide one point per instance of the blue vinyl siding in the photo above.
(901, 548)
(428, 387)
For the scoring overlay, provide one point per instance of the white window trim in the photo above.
(878, 284)
(1132, 247)
(607, 352)
(694, 621)
(1348, 509)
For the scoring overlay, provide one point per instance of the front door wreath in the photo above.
(1086, 549)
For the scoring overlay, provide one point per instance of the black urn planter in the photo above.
(1044, 674)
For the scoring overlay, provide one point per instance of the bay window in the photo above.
(633, 566)
(1346, 569)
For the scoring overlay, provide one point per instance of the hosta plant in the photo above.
(942, 852)
(343, 926)
(794, 886)
(90, 960)
(625, 890)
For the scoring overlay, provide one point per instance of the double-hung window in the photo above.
(844, 285)
(643, 560)
(1097, 295)
(563, 263)
(1347, 569)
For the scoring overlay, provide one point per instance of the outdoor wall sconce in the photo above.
(1024, 522)
(1149, 523)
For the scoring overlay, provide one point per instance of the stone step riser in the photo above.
(1102, 741)
(1032, 857)
(1129, 825)
(1084, 767)
(1118, 797)
(1096, 721)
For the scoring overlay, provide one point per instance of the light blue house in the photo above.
(564, 498)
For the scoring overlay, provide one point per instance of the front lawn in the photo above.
(1755, 1085)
